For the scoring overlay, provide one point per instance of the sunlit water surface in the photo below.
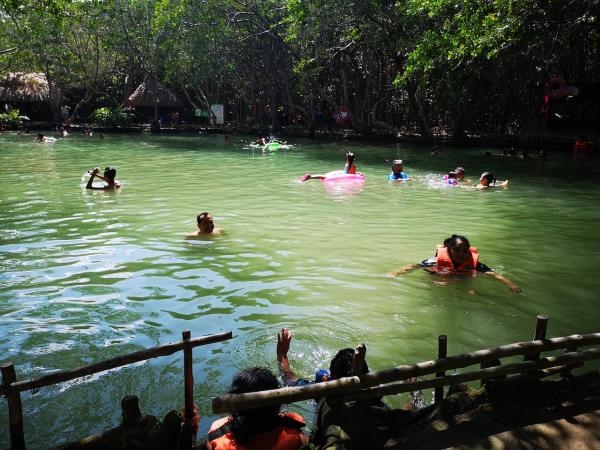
(90, 275)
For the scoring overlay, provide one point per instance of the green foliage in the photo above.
(112, 117)
(11, 118)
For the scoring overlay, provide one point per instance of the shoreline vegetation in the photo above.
(558, 141)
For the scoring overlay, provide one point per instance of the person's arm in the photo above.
(429, 262)
(406, 269)
(284, 337)
(512, 286)
(91, 180)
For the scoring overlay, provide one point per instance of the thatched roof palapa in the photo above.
(19, 87)
(144, 95)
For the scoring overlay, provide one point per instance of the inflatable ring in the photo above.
(341, 177)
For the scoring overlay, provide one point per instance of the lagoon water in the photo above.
(90, 275)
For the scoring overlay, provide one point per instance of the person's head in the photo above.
(322, 375)
(397, 165)
(460, 173)
(205, 222)
(110, 173)
(452, 175)
(341, 364)
(251, 422)
(350, 158)
(487, 179)
(459, 248)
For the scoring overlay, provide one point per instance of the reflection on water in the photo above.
(89, 275)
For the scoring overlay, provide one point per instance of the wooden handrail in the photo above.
(237, 402)
(142, 355)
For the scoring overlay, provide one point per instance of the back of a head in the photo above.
(110, 173)
(251, 422)
(341, 364)
(350, 157)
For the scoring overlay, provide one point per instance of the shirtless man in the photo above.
(206, 227)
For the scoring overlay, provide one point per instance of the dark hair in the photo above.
(489, 176)
(452, 240)
(201, 216)
(252, 422)
(110, 173)
(350, 157)
(460, 169)
(341, 364)
(452, 174)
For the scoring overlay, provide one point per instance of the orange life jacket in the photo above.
(445, 266)
(287, 436)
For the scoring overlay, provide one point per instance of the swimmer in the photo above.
(450, 178)
(457, 257)
(397, 171)
(349, 168)
(487, 180)
(206, 227)
(109, 176)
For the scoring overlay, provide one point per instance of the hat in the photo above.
(398, 161)
(322, 375)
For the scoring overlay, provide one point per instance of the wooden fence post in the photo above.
(541, 326)
(15, 408)
(442, 353)
(186, 437)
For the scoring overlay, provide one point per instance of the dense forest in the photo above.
(429, 67)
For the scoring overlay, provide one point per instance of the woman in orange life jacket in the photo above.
(457, 257)
(264, 428)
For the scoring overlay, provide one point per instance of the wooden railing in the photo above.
(375, 384)
(394, 381)
(11, 388)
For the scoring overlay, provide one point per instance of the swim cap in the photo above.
(322, 375)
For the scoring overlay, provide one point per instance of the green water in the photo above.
(90, 275)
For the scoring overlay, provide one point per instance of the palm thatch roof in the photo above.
(20, 87)
(144, 95)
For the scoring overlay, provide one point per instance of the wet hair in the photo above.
(251, 422)
(341, 364)
(459, 169)
(452, 240)
(452, 174)
(489, 176)
(350, 158)
(110, 173)
(200, 217)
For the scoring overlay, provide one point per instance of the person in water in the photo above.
(258, 428)
(349, 168)
(397, 171)
(284, 338)
(457, 257)
(206, 227)
(109, 178)
(487, 180)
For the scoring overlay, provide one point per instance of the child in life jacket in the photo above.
(457, 257)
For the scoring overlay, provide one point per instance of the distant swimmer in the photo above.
(109, 177)
(397, 173)
(487, 180)
(206, 227)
